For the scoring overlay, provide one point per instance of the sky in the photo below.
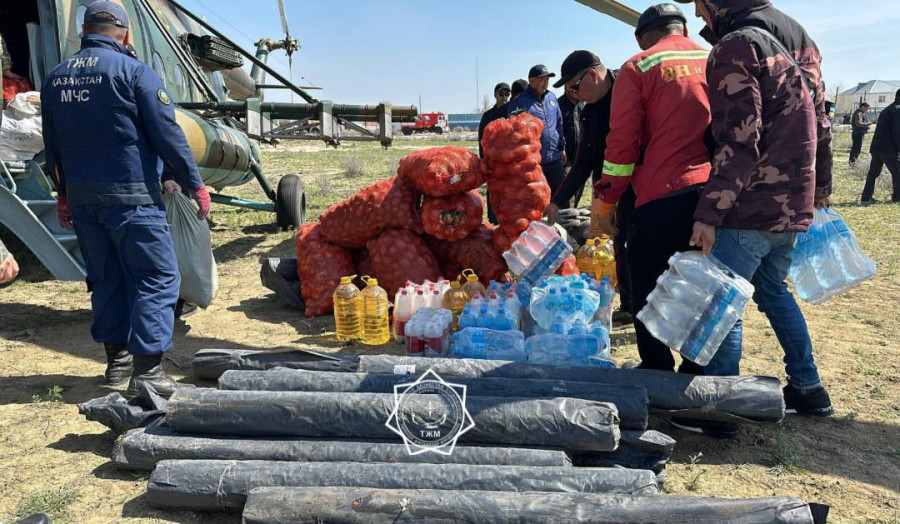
(370, 51)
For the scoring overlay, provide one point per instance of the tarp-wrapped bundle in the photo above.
(142, 449)
(209, 364)
(210, 485)
(728, 399)
(367, 505)
(120, 414)
(637, 450)
(574, 424)
(630, 401)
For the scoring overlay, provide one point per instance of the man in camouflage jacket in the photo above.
(771, 167)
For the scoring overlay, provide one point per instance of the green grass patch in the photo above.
(53, 503)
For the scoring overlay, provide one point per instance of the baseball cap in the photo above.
(657, 16)
(519, 87)
(501, 86)
(117, 12)
(540, 71)
(574, 63)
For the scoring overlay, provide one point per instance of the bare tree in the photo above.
(485, 103)
(836, 90)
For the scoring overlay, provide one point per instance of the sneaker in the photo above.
(710, 428)
(184, 309)
(812, 402)
(620, 318)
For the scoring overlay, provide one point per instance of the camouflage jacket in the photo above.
(772, 157)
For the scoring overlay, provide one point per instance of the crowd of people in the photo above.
(728, 151)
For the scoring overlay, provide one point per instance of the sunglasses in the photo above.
(577, 85)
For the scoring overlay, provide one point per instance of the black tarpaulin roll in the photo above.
(209, 485)
(209, 364)
(559, 422)
(142, 449)
(637, 450)
(277, 505)
(631, 401)
(729, 399)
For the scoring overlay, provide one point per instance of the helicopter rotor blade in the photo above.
(284, 23)
(615, 9)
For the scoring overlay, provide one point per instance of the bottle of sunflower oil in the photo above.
(347, 310)
(585, 257)
(455, 299)
(376, 327)
(604, 259)
(472, 284)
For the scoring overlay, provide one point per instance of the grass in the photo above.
(783, 459)
(52, 393)
(53, 503)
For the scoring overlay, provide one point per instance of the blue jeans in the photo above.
(764, 258)
(131, 265)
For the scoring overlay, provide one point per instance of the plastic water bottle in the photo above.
(419, 300)
(694, 305)
(467, 318)
(482, 343)
(560, 349)
(434, 338)
(485, 317)
(347, 310)
(415, 338)
(402, 314)
(537, 253)
(376, 326)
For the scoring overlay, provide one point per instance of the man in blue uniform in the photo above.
(109, 125)
(542, 104)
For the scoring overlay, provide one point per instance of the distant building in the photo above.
(470, 121)
(878, 93)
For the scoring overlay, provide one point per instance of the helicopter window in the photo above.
(159, 67)
(180, 81)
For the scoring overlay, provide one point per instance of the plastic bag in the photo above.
(827, 260)
(519, 191)
(193, 250)
(399, 256)
(22, 133)
(452, 217)
(390, 203)
(320, 265)
(477, 252)
(443, 171)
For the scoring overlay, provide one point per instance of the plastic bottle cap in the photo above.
(370, 281)
(590, 242)
(472, 278)
(347, 280)
(454, 284)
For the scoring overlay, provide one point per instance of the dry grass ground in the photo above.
(52, 460)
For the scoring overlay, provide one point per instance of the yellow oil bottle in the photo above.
(584, 258)
(472, 284)
(347, 310)
(455, 299)
(376, 326)
(604, 259)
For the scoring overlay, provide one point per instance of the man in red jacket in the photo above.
(660, 112)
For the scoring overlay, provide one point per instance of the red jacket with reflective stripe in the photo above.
(660, 112)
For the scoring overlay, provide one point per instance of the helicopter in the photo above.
(220, 106)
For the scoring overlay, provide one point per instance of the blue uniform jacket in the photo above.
(109, 125)
(547, 110)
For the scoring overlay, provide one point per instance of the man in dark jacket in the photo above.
(109, 125)
(771, 168)
(861, 126)
(591, 83)
(571, 112)
(885, 151)
(542, 104)
(501, 97)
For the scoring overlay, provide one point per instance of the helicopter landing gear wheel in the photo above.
(290, 202)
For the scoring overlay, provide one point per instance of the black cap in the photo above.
(576, 62)
(540, 71)
(501, 86)
(519, 87)
(657, 16)
(104, 12)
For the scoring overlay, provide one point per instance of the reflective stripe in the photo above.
(658, 58)
(622, 170)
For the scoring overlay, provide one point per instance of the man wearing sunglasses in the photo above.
(660, 113)
(542, 104)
